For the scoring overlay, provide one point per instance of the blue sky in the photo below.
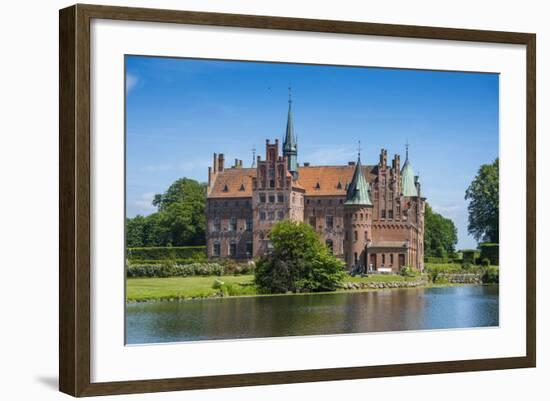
(180, 111)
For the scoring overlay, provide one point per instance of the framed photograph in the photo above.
(249, 200)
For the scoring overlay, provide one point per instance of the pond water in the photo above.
(312, 314)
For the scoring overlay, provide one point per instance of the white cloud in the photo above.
(145, 202)
(131, 82)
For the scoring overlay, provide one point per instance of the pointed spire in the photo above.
(290, 143)
(358, 189)
(408, 184)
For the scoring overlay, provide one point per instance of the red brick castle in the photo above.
(371, 216)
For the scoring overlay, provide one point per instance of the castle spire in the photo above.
(408, 184)
(358, 189)
(290, 144)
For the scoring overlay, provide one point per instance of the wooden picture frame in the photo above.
(74, 204)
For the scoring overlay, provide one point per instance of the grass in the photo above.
(143, 289)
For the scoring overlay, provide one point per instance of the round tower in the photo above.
(358, 218)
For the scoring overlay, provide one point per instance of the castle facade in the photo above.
(371, 216)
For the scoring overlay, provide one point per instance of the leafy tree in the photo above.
(298, 262)
(182, 191)
(180, 219)
(483, 209)
(440, 235)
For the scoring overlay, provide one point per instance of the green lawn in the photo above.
(141, 289)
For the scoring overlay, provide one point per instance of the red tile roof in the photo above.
(315, 180)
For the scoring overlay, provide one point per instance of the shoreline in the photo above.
(339, 291)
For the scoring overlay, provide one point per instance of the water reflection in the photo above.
(351, 312)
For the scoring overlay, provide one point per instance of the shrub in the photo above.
(408, 271)
(299, 262)
(469, 256)
(490, 251)
(485, 262)
(490, 275)
(168, 269)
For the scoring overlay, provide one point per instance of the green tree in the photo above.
(298, 262)
(440, 235)
(180, 219)
(483, 209)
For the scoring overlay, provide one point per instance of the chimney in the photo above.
(396, 164)
(306, 164)
(383, 157)
(215, 165)
(221, 160)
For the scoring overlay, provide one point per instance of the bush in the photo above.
(490, 251)
(408, 271)
(469, 256)
(194, 253)
(174, 270)
(299, 262)
(485, 262)
(490, 275)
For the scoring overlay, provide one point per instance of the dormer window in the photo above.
(241, 188)
(339, 186)
(318, 186)
(225, 189)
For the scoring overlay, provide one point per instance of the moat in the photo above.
(313, 314)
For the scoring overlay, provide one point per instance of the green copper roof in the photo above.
(290, 139)
(408, 186)
(358, 190)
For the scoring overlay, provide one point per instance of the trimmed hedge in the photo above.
(433, 259)
(490, 251)
(196, 253)
(469, 256)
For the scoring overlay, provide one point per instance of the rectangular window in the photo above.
(366, 235)
(262, 198)
(280, 215)
(216, 225)
(390, 214)
(312, 221)
(271, 215)
(262, 215)
(233, 224)
(391, 259)
(271, 198)
(329, 221)
(355, 235)
(233, 249)
(383, 213)
(383, 258)
(217, 249)
(280, 198)
(249, 249)
(249, 224)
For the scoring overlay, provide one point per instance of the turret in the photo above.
(408, 180)
(358, 218)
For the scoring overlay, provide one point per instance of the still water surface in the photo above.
(313, 314)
